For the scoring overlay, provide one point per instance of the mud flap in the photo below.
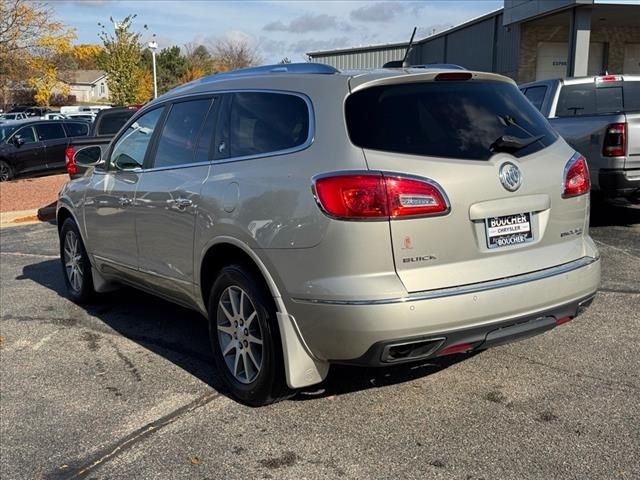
(301, 368)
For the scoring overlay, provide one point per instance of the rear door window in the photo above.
(452, 119)
(536, 95)
(50, 131)
(262, 123)
(179, 137)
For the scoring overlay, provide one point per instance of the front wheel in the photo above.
(6, 172)
(245, 338)
(76, 266)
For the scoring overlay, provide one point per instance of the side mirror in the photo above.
(88, 156)
(126, 163)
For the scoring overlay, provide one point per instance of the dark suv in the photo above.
(36, 146)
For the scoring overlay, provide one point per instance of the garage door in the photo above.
(552, 59)
(631, 58)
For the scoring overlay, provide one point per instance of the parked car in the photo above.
(86, 116)
(107, 123)
(12, 116)
(600, 117)
(53, 116)
(36, 146)
(318, 217)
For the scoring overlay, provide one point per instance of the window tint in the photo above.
(444, 119)
(587, 99)
(631, 92)
(26, 134)
(77, 129)
(536, 95)
(6, 131)
(134, 141)
(180, 133)
(206, 137)
(267, 122)
(110, 123)
(50, 131)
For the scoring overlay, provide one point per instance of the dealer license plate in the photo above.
(508, 230)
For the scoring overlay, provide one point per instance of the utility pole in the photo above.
(153, 46)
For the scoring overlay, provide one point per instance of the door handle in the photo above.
(125, 201)
(182, 203)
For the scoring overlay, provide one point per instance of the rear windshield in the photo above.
(112, 122)
(587, 99)
(445, 119)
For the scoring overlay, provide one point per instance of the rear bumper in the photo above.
(361, 332)
(619, 183)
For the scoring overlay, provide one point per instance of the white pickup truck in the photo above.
(600, 118)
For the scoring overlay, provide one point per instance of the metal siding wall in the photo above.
(472, 47)
(508, 49)
(431, 51)
(361, 59)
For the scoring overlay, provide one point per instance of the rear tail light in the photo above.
(362, 196)
(576, 177)
(563, 320)
(615, 140)
(609, 78)
(70, 163)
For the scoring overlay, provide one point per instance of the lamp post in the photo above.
(153, 46)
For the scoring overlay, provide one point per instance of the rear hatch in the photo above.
(462, 135)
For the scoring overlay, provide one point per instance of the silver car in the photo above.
(320, 217)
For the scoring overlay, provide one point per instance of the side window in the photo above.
(132, 145)
(266, 122)
(77, 129)
(26, 134)
(177, 142)
(536, 95)
(50, 131)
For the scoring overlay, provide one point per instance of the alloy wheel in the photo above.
(73, 261)
(4, 172)
(239, 334)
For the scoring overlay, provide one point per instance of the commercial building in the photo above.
(526, 40)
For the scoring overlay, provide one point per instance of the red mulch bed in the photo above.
(30, 193)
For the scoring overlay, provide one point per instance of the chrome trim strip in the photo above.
(465, 289)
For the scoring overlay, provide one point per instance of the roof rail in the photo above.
(308, 68)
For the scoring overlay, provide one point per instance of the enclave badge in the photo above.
(510, 176)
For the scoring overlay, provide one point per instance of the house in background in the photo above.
(87, 85)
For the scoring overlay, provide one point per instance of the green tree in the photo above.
(171, 67)
(121, 60)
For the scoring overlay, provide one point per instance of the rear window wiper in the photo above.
(509, 144)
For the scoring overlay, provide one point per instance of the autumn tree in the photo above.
(30, 43)
(121, 60)
(229, 54)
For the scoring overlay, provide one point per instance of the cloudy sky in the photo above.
(276, 28)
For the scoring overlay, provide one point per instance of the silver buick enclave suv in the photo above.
(316, 216)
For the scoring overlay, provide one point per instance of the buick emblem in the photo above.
(510, 176)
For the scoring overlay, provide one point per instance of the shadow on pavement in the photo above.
(182, 337)
(607, 214)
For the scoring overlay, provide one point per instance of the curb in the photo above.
(26, 217)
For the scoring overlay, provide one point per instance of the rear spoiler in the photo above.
(360, 82)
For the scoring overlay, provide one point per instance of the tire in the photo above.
(245, 339)
(76, 267)
(6, 172)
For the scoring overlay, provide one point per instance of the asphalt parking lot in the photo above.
(126, 389)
